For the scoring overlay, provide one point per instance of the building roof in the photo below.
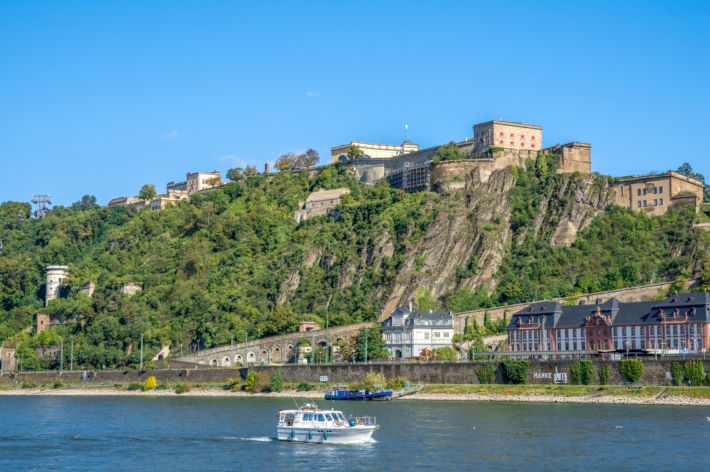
(508, 123)
(412, 315)
(694, 306)
(328, 194)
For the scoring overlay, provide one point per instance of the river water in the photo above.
(220, 434)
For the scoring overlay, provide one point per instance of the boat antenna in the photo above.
(295, 403)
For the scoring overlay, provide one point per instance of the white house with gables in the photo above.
(408, 331)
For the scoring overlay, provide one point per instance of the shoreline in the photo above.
(670, 400)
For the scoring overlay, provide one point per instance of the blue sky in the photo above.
(101, 97)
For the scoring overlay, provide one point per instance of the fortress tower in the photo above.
(56, 276)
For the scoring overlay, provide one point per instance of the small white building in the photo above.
(408, 331)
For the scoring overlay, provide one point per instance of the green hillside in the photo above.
(217, 267)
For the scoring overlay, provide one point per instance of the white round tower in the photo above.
(56, 276)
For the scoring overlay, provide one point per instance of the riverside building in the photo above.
(678, 324)
(408, 331)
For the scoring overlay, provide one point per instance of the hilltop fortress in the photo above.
(498, 144)
(495, 145)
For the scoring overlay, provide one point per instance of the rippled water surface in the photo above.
(211, 434)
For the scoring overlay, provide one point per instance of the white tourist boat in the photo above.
(311, 424)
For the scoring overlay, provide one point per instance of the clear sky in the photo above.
(101, 97)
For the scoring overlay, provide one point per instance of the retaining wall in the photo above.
(656, 372)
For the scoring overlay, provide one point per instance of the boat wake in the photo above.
(256, 439)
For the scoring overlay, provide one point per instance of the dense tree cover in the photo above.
(211, 269)
(214, 268)
(621, 248)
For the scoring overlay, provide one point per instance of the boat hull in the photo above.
(353, 434)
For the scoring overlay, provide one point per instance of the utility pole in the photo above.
(367, 335)
(61, 355)
(461, 336)
(71, 358)
(246, 363)
(327, 337)
(231, 350)
(141, 352)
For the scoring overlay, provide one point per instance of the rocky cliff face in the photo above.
(569, 208)
(467, 240)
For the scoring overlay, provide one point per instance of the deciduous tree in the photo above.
(147, 192)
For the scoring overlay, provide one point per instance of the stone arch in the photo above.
(264, 355)
(398, 353)
(226, 361)
(214, 362)
(322, 343)
(251, 357)
(238, 360)
(343, 158)
(276, 354)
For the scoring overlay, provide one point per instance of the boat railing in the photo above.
(362, 420)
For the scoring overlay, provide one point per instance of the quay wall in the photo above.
(656, 372)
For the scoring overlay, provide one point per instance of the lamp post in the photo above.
(327, 337)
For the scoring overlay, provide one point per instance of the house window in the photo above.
(644, 191)
(660, 189)
(644, 203)
(512, 143)
(639, 202)
(501, 134)
(501, 142)
(655, 202)
(639, 190)
(661, 201)
(655, 189)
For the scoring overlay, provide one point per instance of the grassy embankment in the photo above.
(570, 390)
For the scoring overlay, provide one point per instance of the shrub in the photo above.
(305, 387)
(372, 379)
(276, 381)
(631, 369)
(446, 353)
(486, 373)
(134, 386)
(516, 371)
(604, 374)
(150, 383)
(183, 387)
(58, 383)
(257, 382)
(397, 382)
(233, 384)
(582, 372)
(676, 373)
(28, 384)
(694, 372)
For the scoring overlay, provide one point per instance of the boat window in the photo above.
(310, 417)
(320, 417)
(328, 417)
(342, 418)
